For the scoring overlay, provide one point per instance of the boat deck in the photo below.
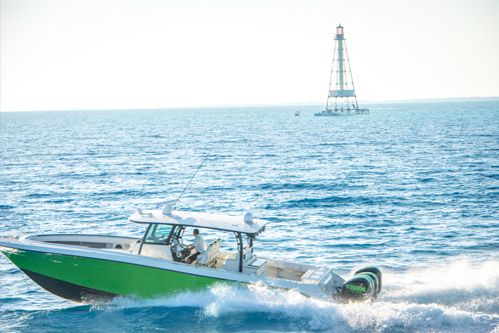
(220, 260)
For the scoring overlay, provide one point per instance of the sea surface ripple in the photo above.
(412, 188)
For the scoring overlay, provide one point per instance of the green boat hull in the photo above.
(84, 279)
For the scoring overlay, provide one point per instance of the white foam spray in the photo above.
(459, 297)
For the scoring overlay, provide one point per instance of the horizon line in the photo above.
(310, 103)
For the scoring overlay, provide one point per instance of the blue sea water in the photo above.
(412, 188)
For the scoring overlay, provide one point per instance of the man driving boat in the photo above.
(198, 245)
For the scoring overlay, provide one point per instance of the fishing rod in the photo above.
(170, 203)
(204, 160)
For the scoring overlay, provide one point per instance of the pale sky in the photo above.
(121, 54)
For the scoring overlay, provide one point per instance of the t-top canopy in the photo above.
(246, 225)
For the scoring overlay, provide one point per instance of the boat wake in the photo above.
(458, 297)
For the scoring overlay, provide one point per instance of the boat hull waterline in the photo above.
(79, 278)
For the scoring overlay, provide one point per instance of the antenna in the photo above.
(186, 186)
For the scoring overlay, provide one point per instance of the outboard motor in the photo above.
(365, 284)
(373, 270)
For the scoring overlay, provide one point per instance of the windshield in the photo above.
(158, 233)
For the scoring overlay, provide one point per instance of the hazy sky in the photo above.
(79, 54)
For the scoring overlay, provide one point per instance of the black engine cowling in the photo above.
(374, 270)
(365, 284)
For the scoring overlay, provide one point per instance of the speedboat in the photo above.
(95, 268)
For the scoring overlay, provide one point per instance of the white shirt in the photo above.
(199, 244)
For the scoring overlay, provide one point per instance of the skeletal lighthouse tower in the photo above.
(341, 95)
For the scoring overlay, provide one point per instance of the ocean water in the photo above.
(412, 188)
